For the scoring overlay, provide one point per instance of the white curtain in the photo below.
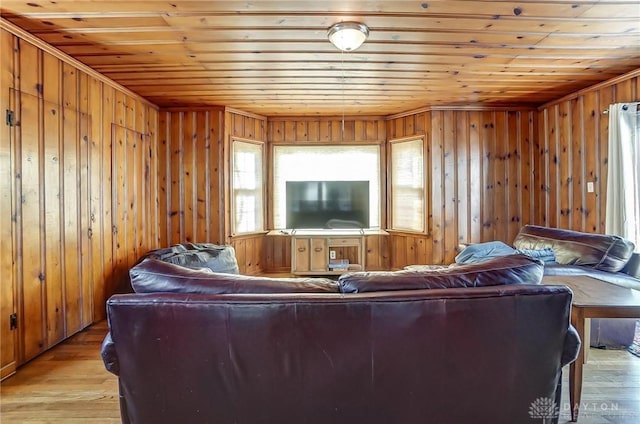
(623, 183)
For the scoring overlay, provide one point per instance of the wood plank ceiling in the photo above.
(274, 58)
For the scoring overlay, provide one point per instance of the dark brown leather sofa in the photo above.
(470, 353)
(605, 257)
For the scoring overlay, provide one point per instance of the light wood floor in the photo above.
(68, 384)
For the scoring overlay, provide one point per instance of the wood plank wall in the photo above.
(480, 175)
(78, 172)
(327, 130)
(572, 150)
(190, 202)
(193, 190)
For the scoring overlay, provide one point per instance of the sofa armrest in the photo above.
(109, 356)
(571, 346)
(633, 266)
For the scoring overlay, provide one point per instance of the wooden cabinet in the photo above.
(311, 251)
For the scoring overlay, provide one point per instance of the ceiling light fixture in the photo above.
(348, 36)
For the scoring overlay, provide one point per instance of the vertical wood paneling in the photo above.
(96, 211)
(607, 96)
(8, 298)
(118, 140)
(201, 147)
(30, 227)
(501, 192)
(325, 130)
(215, 167)
(164, 177)
(450, 210)
(590, 160)
(475, 197)
(153, 186)
(58, 232)
(565, 187)
(130, 198)
(513, 176)
(553, 180)
(189, 174)
(53, 226)
(480, 171)
(462, 182)
(435, 176)
(176, 204)
(72, 269)
(576, 131)
(577, 164)
(106, 192)
(488, 143)
(526, 154)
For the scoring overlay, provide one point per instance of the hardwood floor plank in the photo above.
(67, 384)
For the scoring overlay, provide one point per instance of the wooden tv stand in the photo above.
(311, 251)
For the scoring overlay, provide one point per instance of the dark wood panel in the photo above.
(573, 152)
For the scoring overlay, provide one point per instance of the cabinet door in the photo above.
(301, 254)
(319, 254)
(8, 351)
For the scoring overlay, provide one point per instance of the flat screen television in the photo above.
(327, 204)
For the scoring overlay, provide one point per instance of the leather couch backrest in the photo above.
(633, 266)
(604, 252)
(503, 270)
(154, 276)
(440, 356)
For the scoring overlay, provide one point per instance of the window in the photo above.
(247, 187)
(622, 216)
(407, 185)
(325, 163)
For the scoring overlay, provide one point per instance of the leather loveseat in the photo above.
(200, 347)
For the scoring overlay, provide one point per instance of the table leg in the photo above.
(587, 338)
(575, 369)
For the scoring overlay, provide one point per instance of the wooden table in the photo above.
(592, 298)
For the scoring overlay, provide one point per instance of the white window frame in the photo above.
(417, 186)
(333, 172)
(257, 192)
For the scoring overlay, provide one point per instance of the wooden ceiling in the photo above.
(274, 58)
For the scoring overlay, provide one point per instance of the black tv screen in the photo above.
(327, 204)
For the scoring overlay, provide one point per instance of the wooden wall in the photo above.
(78, 172)
(190, 184)
(571, 150)
(480, 176)
(193, 190)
